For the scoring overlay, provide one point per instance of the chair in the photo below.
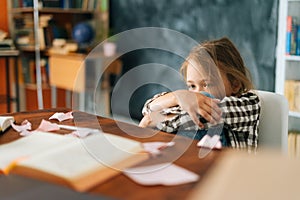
(273, 126)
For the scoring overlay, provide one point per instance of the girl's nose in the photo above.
(198, 89)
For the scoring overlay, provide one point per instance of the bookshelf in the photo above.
(35, 24)
(288, 68)
(288, 60)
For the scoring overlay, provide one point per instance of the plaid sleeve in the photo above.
(181, 119)
(241, 119)
(146, 109)
(240, 114)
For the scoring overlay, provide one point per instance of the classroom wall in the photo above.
(251, 25)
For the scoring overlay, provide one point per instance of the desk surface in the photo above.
(184, 153)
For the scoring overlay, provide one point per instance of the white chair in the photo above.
(273, 126)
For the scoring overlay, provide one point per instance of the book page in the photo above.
(82, 158)
(5, 122)
(27, 146)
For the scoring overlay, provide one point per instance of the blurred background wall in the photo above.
(251, 25)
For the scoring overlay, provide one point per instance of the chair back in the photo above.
(273, 125)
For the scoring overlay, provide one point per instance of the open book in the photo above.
(5, 122)
(77, 163)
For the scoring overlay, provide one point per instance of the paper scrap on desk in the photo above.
(60, 116)
(210, 142)
(154, 148)
(82, 133)
(23, 129)
(47, 126)
(161, 174)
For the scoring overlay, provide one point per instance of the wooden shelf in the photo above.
(287, 66)
(292, 58)
(294, 114)
(62, 24)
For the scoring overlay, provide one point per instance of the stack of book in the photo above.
(293, 36)
(24, 28)
(65, 4)
(294, 144)
(292, 93)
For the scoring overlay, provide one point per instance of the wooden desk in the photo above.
(121, 187)
(80, 73)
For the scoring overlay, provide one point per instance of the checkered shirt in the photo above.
(240, 117)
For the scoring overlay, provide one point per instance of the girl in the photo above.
(219, 92)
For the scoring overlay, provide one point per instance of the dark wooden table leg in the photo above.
(7, 85)
(17, 85)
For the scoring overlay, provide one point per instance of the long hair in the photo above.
(223, 54)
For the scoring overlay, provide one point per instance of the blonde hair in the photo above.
(223, 54)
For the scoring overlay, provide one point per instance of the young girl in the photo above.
(219, 92)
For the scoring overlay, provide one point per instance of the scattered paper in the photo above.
(23, 129)
(161, 174)
(25, 125)
(60, 116)
(210, 142)
(25, 133)
(81, 133)
(154, 148)
(47, 126)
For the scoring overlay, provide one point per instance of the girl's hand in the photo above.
(152, 119)
(196, 104)
(146, 121)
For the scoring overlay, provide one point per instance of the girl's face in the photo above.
(199, 80)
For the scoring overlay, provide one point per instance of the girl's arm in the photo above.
(194, 104)
(167, 100)
(153, 119)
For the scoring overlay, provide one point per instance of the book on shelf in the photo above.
(292, 93)
(24, 30)
(78, 163)
(45, 72)
(294, 144)
(67, 4)
(288, 34)
(5, 122)
(26, 3)
(7, 44)
(293, 36)
(51, 3)
(29, 71)
(293, 39)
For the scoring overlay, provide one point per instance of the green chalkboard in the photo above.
(250, 24)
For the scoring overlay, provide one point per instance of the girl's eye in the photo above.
(191, 86)
(206, 85)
